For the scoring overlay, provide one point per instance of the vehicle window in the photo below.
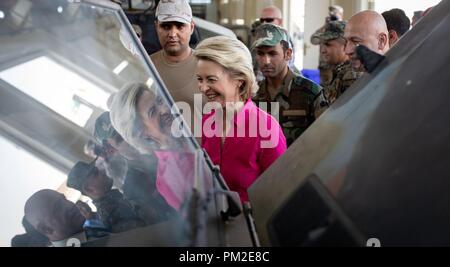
(87, 126)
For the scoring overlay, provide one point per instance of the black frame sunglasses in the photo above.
(268, 20)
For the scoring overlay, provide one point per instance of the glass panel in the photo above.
(57, 87)
(138, 180)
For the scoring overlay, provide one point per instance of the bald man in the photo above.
(60, 220)
(366, 28)
(273, 15)
(52, 215)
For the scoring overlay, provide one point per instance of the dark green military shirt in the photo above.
(117, 213)
(300, 101)
(343, 77)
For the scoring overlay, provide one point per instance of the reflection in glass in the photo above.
(60, 61)
(57, 87)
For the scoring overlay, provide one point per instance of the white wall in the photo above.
(294, 19)
(315, 13)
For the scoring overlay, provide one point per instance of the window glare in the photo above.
(57, 87)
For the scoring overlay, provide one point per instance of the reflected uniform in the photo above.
(117, 213)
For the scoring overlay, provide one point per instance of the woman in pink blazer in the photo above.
(240, 138)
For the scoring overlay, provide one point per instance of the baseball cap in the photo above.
(103, 129)
(333, 30)
(79, 174)
(174, 10)
(269, 35)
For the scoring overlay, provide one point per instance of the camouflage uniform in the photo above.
(301, 100)
(324, 68)
(343, 75)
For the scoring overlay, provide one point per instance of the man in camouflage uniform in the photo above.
(333, 52)
(335, 13)
(301, 101)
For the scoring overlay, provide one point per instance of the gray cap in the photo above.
(174, 10)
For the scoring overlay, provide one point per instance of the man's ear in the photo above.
(192, 27)
(393, 37)
(383, 42)
(288, 54)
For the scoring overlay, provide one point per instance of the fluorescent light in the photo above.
(2, 15)
(121, 67)
(60, 9)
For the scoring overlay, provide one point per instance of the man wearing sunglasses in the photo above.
(271, 14)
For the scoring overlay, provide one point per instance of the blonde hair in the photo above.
(234, 57)
(124, 116)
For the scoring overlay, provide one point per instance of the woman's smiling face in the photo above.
(216, 83)
(156, 119)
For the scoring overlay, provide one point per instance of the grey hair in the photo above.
(124, 116)
(234, 57)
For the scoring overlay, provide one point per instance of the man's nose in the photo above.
(266, 60)
(173, 32)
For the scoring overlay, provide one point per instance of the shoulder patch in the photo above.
(307, 85)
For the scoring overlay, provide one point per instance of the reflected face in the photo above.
(97, 185)
(124, 149)
(156, 119)
(272, 60)
(216, 84)
(174, 37)
(357, 34)
(333, 52)
(53, 215)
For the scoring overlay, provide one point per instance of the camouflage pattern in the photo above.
(269, 35)
(301, 102)
(330, 31)
(343, 77)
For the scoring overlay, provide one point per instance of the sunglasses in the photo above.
(267, 20)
